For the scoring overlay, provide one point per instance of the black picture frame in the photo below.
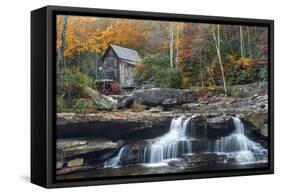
(43, 89)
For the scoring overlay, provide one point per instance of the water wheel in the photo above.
(108, 87)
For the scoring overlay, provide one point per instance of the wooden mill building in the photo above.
(118, 64)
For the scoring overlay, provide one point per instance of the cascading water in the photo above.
(173, 143)
(168, 146)
(181, 139)
(239, 147)
(114, 162)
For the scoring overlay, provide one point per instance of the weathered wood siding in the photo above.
(126, 74)
(110, 69)
(117, 69)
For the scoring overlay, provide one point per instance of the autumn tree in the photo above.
(61, 45)
(127, 33)
(203, 54)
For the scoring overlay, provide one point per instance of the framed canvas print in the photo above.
(125, 96)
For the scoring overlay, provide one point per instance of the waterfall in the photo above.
(114, 162)
(181, 140)
(238, 146)
(239, 127)
(168, 146)
(172, 144)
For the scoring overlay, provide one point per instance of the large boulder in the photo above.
(102, 102)
(259, 121)
(125, 102)
(248, 90)
(219, 126)
(164, 97)
(209, 127)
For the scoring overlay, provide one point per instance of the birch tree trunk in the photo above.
(171, 41)
(177, 46)
(249, 43)
(241, 43)
(217, 45)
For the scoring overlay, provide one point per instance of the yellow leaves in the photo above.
(231, 58)
(244, 63)
(127, 33)
(166, 45)
(106, 37)
(86, 34)
(186, 82)
(67, 53)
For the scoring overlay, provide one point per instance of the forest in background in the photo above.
(174, 54)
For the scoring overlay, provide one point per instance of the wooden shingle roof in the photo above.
(125, 53)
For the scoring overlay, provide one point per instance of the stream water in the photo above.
(181, 143)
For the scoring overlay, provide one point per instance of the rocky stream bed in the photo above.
(153, 131)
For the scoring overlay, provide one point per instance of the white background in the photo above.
(15, 95)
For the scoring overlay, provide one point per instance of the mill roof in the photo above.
(125, 53)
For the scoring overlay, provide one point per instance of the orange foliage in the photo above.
(80, 35)
(244, 63)
(84, 35)
(123, 32)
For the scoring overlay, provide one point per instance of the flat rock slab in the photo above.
(75, 162)
(146, 115)
(72, 147)
(115, 125)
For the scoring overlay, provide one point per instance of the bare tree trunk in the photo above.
(61, 59)
(249, 43)
(241, 43)
(177, 47)
(171, 35)
(217, 44)
(179, 28)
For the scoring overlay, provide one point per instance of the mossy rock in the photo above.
(248, 90)
(259, 120)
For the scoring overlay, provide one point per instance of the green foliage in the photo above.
(61, 106)
(70, 86)
(151, 64)
(239, 71)
(157, 67)
(84, 106)
(244, 77)
(78, 105)
(71, 83)
(263, 73)
(160, 60)
(238, 76)
(167, 78)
